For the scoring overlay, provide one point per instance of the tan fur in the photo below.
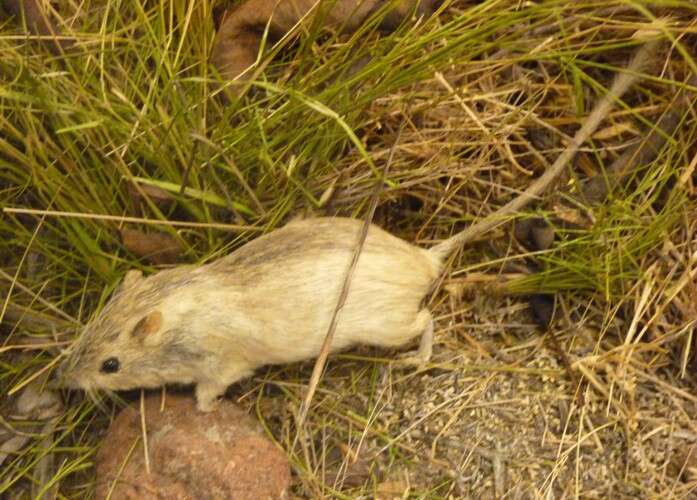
(269, 302)
(237, 42)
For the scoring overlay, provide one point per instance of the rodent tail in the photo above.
(622, 82)
(443, 249)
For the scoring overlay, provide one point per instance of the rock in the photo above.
(193, 455)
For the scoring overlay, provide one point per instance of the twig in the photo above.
(138, 220)
(326, 345)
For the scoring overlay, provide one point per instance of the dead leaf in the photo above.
(12, 446)
(158, 196)
(158, 248)
(37, 402)
(238, 40)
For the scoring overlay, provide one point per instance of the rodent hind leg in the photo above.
(422, 355)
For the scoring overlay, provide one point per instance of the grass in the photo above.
(489, 94)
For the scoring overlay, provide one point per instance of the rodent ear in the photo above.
(147, 326)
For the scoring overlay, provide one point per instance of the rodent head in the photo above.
(129, 343)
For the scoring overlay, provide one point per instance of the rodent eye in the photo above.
(111, 365)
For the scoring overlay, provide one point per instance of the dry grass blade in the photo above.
(144, 432)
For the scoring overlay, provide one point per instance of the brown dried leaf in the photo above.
(12, 446)
(158, 248)
(37, 402)
(158, 196)
(237, 42)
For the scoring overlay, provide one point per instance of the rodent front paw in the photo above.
(207, 405)
(208, 395)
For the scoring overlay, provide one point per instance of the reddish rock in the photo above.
(193, 455)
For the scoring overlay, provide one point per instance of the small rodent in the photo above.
(272, 300)
(269, 302)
